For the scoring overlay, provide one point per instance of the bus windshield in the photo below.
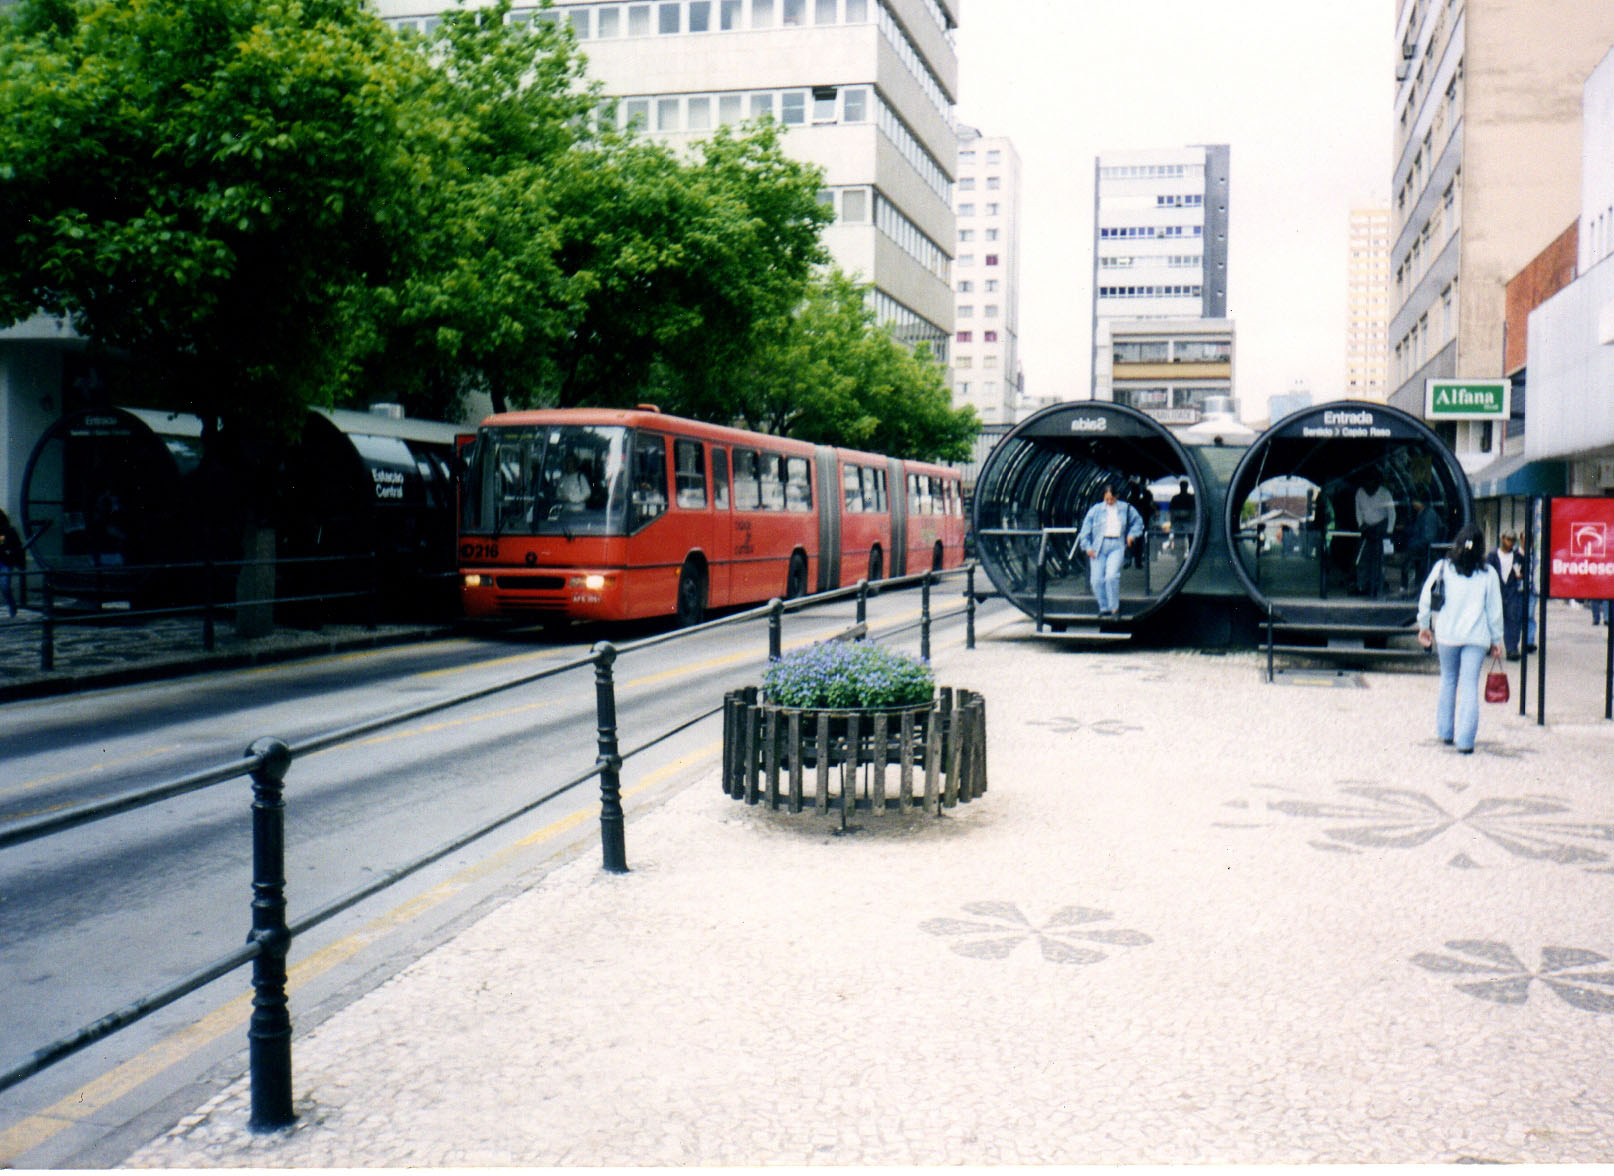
(546, 480)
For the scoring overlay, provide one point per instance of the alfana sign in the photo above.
(1467, 400)
(1581, 549)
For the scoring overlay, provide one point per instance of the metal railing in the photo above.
(268, 761)
(124, 583)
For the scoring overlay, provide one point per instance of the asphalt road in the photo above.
(97, 917)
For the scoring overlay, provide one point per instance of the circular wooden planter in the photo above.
(814, 758)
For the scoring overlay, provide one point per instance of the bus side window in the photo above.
(649, 500)
(720, 477)
(852, 484)
(874, 490)
(689, 474)
(798, 485)
(746, 494)
(773, 483)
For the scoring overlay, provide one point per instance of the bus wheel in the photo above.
(796, 578)
(691, 595)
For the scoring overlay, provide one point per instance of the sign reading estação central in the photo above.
(1467, 400)
(1581, 549)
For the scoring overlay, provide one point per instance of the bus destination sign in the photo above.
(1467, 400)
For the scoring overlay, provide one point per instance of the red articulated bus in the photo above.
(609, 514)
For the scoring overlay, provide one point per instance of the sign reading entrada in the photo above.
(1362, 423)
(1467, 400)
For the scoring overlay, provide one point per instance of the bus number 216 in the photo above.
(479, 551)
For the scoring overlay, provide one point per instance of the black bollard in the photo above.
(862, 604)
(924, 617)
(47, 631)
(269, 1033)
(969, 606)
(612, 841)
(776, 625)
(209, 638)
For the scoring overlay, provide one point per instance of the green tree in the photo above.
(214, 189)
(827, 372)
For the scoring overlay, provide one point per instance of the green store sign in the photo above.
(1467, 400)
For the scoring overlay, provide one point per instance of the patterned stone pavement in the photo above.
(1197, 918)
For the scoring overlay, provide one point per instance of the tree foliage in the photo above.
(266, 204)
(828, 373)
(213, 188)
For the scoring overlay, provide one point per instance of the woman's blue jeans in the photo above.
(1104, 571)
(1457, 710)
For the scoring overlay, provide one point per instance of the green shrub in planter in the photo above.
(848, 674)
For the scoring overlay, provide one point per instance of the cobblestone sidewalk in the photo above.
(1197, 918)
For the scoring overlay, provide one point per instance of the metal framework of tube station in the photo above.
(1267, 529)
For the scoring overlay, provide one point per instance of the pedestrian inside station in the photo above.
(1329, 519)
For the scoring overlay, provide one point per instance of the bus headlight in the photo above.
(472, 580)
(594, 582)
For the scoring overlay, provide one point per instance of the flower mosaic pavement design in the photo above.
(1000, 927)
(1476, 833)
(1507, 979)
(1067, 725)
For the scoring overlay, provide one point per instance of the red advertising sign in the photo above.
(1582, 549)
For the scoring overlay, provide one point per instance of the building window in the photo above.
(700, 16)
(966, 210)
(855, 206)
(994, 158)
(991, 234)
(728, 14)
(991, 310)
(608, 22)
(992, 209)
(966, 312)
(793, 108)
(989, 337)
(762, 14)
(667, 114)
(966, 183)
(793, 12)
(993, 183)
(965, 236)
(966, 287)
(668, 18)
(638, 20)
(992, 285)
(965, 259)
(991, 259)
(964, 336)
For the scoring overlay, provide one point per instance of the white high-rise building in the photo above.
(1367, 306)
(1487, 174)
(1162, 341)
(986, 277)
(865, 89)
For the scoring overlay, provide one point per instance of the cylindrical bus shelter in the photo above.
(1294, 536)
(1037, 484)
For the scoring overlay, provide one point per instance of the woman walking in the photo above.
(1465, 630)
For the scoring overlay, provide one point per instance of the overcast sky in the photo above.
(1301, 90)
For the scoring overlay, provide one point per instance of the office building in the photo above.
(986, 277)
(1162, 341)
(865, 89)
(1367, 306)
(1487, 174)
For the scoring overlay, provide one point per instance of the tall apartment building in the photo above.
(1487, 173)
(1162, 341)
(1367, 306)
(986, 277)
(865, 89)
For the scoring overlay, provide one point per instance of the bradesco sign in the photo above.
(1582, 549)
(1467, 400)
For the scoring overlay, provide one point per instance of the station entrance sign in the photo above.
(1581, 549)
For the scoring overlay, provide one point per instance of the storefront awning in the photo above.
(1517, 476)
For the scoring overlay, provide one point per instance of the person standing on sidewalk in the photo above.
(1508, 564)
(11, 557)
(1469, 630)
(1109, 528)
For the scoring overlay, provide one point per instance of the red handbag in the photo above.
(1496, 682)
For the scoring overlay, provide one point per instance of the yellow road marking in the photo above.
(119, 1081)
(93, 770)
